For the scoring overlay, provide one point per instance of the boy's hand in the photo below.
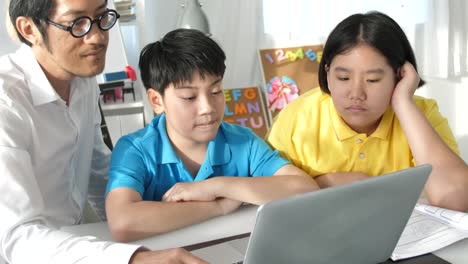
(406, 86)
(190, 191)
(200, 191)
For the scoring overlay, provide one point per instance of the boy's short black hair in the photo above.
(177, 56)
(374, 29)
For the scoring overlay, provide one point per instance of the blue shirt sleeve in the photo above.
(127, 168)
(264, 161)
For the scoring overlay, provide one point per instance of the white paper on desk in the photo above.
(430, 228)
(455, 218)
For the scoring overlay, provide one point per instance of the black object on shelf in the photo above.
(128, 90)
(105, 131)
(108, 88)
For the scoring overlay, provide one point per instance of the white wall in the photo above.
(8, 45)
(451, 96)
(154, 19)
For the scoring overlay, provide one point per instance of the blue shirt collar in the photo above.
(219, 152)
(169, 155)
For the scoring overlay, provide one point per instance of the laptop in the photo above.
(360, 222)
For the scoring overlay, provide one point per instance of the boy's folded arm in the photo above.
(288, 180)
(130, 218)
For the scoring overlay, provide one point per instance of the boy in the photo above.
(163, 177)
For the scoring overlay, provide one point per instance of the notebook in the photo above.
(360, 222)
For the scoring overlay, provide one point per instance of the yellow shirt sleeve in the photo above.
(438, 122)
(279, 135)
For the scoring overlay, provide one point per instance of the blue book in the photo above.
(114, 76)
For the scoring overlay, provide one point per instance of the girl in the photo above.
(365, 120)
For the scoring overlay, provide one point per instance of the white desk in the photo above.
(456, 253)
(239, 222)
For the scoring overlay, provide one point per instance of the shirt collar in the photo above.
(218, 151)
(168, 153)
(343, 131)
(383, 129)
(41, 90)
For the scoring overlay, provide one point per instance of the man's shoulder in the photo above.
(14, 89)
(16, 71)
(16, 62)
(10, 72)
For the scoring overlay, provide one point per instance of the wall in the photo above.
(8, 45)
(154, 19)
(451, 96)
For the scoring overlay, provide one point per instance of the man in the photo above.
(51, 148)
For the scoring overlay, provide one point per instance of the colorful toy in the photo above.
(281, 91)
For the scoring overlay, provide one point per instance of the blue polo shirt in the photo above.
(146, 161)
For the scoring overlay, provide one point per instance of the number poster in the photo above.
(288, 73)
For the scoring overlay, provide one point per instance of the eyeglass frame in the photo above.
(74, 21)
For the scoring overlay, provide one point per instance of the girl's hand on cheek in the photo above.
(406, 86)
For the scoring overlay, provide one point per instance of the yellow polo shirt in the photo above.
(311, 134)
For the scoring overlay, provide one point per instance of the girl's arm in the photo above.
(448, 183)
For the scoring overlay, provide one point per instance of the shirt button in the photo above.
(359, 141)
(362, 155)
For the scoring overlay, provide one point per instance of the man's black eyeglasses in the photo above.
(82, 25)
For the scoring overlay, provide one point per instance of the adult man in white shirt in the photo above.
(51, 147)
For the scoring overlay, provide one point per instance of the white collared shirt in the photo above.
(49, 154)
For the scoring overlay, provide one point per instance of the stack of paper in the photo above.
(430, 228)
